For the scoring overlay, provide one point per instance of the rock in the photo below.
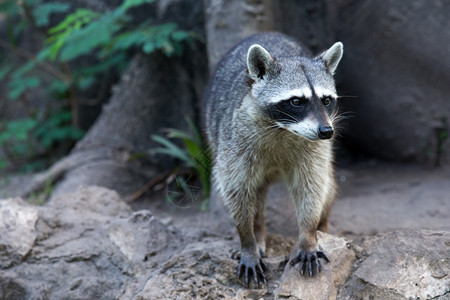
(202, 270)
(17, 230)
(93, 199)
(84, 245)
(403, 264)
(140, 236)
(325, 285)
(205, 270)
(71, 248)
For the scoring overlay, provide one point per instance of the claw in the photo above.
(310, 267)
(302, 268)
(261, 270)
(254, 269)
(319, 267)
(294, 261)
(320, 254)
(247, 283)
(309, 262)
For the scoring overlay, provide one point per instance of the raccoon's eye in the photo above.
(297, 101)
(326, 101)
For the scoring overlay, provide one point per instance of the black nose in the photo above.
(325, 132)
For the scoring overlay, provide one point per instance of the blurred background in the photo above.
(110, 92)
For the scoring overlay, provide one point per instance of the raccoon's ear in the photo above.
(258, 61)
(332, 57)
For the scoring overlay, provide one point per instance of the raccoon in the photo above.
(270, 114)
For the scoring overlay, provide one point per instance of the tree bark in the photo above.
(228, 22)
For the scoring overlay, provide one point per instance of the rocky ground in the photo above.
(390, 239)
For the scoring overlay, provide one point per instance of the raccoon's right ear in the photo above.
(258, 62)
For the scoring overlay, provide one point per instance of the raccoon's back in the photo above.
(230, 84)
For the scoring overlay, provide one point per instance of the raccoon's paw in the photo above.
(309, 262)
(251, 267)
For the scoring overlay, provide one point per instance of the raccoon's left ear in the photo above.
(258, 62)
(332, 57)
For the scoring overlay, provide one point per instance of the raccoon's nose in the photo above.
(325, 132)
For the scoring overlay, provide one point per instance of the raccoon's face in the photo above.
(296, 93)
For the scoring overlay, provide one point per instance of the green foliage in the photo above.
(194, 156)
(17, 130)
(42, 12)
(85, 31)
(108, 36)
(56, 129)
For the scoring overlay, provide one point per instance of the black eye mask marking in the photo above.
(288, 111)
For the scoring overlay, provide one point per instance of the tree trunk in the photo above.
(228, 22)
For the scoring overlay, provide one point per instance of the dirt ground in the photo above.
(374, 197)
(379, 197)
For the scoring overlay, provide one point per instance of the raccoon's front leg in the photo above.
(259, 222)
(309, 207)
(250, 265)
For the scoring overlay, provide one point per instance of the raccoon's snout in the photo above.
(325, 132)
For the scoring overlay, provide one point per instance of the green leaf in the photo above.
(171, 149)
(17, 130)
(17, 87)
(58, 86)
(81, 16)
(57, 128)
(198, 136)
(129, 39)
(180, 35)
(42, 12)
(86, 82)
(84, 40)
(61, 32)
(127, 4)
(178, 134)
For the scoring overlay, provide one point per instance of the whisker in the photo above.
(289, 115)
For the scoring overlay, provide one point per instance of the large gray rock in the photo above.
(84, 245)
(17, 230)
(325, 285)
(403, 264)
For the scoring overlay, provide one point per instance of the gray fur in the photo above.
(251, 150)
